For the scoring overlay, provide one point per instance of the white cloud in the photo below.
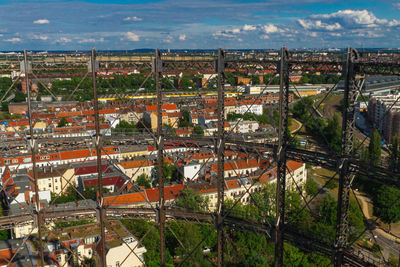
(134, 18)
(396, 6)
(223, 34)
(265, 37)
(351, 18)
(249, 27)
(90, 40)
(130, 36)
(270, 28)
(14, 40)
(42, 21)
(335, 34)
(40, 37)
(168, 40)
(394, 23)
(63, 40)
(236, 30)
(1, 35)
(369, 34)
(318, 25)
(182, 37)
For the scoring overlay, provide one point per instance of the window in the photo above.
(117, 264)
(50, 185)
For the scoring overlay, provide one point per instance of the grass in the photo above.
(323, 175)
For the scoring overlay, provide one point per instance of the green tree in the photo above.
(328, 210)
(4, 235)
(190, 200)
(169, 130)
(333, 133)
(170, 173)
(189, 235)
(4, 106)
(311, 187)
(386, 204)
(186, 82)
(255, 80)
(19, 96)
(304, 79)
(374, 149)
(230, 78)
(185, 120)
(198, 131)
(62, 123)
(125, 127)
(143, 180)
(69, 195)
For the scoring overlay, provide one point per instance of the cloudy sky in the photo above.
(193, 24)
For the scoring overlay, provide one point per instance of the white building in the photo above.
(240, 126)
(191, 171)
(122, 255)
(249, 108)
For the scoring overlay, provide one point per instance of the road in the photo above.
(388, 242)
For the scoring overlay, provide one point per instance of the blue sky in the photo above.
(198, 24)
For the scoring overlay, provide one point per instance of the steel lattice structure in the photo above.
(354, 68)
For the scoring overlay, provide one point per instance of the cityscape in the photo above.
(206, 148)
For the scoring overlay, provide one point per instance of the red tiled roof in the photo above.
(136, 164)
(153, 108)
(232, 183)
(118, 181)
(170, 192)
(125, 199)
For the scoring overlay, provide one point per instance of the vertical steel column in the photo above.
(220, 66)
(160, 157)
(98, 144)
(281, 154)
(346, 176)
(33, 153)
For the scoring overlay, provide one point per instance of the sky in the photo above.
(198, 24)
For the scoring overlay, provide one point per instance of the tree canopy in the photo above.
(386, 204)
(375, 149)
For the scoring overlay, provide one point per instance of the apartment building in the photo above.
(383, 113)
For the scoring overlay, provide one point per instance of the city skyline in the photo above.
(70, 25)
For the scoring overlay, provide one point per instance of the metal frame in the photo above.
(345, 164)
(346, 173)
(281, 155)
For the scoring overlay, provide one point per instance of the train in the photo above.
(171, 95)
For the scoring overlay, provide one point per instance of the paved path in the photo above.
(299, 125)
(389, 242)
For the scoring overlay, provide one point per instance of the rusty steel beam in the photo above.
(220, 155)
(98, 144)
(34, 167)
(157, 68)
(281, 156)
(346, 174)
